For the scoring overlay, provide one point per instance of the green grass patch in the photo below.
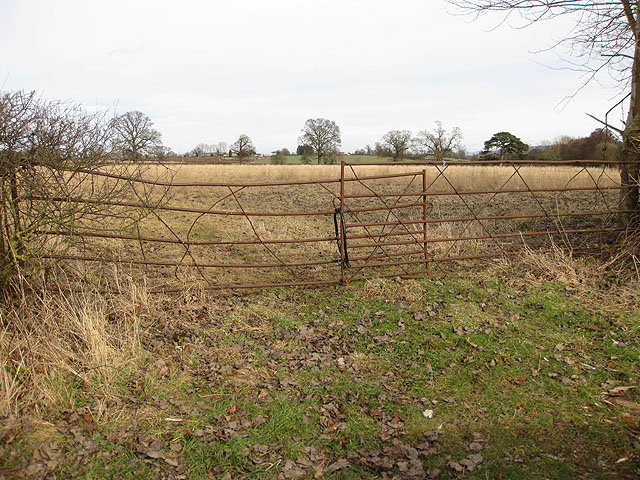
(359, 381)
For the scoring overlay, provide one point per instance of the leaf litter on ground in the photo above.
(362, 377)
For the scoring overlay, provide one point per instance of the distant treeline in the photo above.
(600, 145)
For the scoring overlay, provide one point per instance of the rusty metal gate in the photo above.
(373, 220)
(384, 230)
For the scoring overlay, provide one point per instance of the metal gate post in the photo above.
(424, 219)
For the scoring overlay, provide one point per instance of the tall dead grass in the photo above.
(462, 177)
(600, 281)
(55, 345)
(450, 230)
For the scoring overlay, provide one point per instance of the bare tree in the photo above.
(48, 152)
(134, 135)
(203, 149)
(322, 136)
(604, 37)
(396, 144)
(243, 147)
(198, 151)
(222, 149)
(439, 143)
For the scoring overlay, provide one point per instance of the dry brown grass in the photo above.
(407, 291)
(468, 177)
(557, 265)
(51, 342)
(456, 248)
(605, 282)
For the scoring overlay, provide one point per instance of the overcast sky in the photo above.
(208, 71)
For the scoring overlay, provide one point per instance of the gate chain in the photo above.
(344, 234)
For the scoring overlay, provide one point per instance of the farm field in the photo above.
(266, 160)
(468, 176)
(297, 159)
(488, 216)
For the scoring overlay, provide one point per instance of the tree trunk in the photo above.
(629, 182)
(630, 153)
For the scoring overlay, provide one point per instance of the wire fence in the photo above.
(372, 220)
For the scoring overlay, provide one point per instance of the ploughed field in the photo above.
(470, 211)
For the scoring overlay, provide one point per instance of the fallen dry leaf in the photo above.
(626, 403)
(619, 390)
(337, 465)
(173, 420)
(472, 461)
(291, 470)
